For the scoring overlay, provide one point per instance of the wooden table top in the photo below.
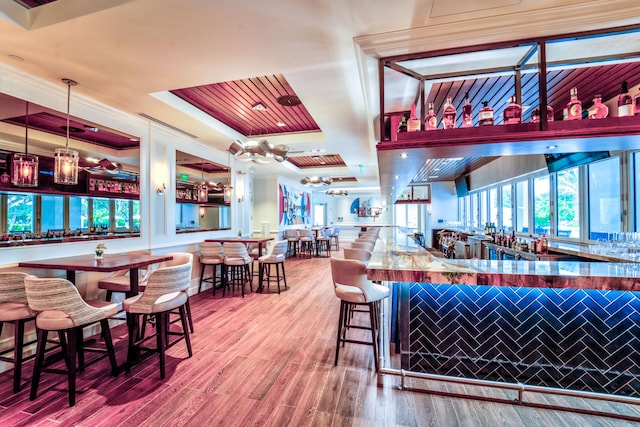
(110, 262)
(240, 239)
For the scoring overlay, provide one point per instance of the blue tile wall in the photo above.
(568, 338)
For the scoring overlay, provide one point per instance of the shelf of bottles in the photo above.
(187, 195)
(591, 87)
(111, 187)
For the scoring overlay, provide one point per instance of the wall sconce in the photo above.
(160, 189)
(201, 211)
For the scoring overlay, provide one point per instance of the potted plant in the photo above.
(100, 248)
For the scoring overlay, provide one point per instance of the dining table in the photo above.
(108, 263)
(260, 241)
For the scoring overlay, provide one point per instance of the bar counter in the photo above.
(563, 324)
(397, 258)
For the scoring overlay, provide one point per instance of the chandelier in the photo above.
(316, 181)
(66, 161)
(333, 192)
(25, 165)
(259, 152)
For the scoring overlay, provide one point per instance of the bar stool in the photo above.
(357, 253)
(293, 239)
(211, 254)
(335, 238)
(363, 245)
(14, 309)
(354, 289)
(120, 280)
(306, 242)
(323, 242)
(166, 291)
(62, 310)
(275, 257)
(236, 266)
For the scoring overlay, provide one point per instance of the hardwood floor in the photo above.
(267, 360)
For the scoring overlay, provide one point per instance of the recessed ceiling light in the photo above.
(434, 176)
(552, 147)
(281, 124)
(397, 177)
(259, 106)
(454, 159)
(436, 169)
(404, 155)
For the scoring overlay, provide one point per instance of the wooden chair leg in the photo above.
(202, 278)
(187, 339)
(37, 368)
(72, 347)
(18, 342)
(161, 338)
(339, 332)
(111, 352)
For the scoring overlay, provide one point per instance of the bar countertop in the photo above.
(397, 258)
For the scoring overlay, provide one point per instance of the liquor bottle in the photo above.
(485, 115)
(625, 102)
(513, 112)
(467, 112)
(431, 121)
(598, 110)
(449, 115)
(402, 127)
(535, 114)
(544, 244)
(574, 107)
(413, 124)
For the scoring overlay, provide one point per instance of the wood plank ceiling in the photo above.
(258, 106)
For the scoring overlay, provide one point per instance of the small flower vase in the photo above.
(99, 254)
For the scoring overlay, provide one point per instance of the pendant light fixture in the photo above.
(203, 190)
(25, 165)
(66, 161)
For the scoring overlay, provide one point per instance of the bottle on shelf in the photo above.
(625, 101)
(413, 124)
(544, 244)
(402, 127)
(598, 110)
(535, 114)
(431, 121)
(485, 115)
(513, 112)
(449, 115)
(467, 112)
(574, 107)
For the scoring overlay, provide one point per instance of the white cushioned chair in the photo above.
(275, 257)
(211, 254)
(237, 262)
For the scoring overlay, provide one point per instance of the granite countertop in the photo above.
(397, 258)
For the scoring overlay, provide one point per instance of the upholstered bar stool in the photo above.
(323, 242)
(335, 238)
(166, 291)
(354, 289)
(363, 245)
(357, 253)
(306, 242)
(62, 310)
(120, 280)
(14, 309)
(291, 235)
(211, 254)
(236, 266)
(275, 257)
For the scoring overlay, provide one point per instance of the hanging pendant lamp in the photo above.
(66, 161)
(25, 165)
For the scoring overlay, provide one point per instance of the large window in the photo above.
(604, 198)
(542, 205)
(122, 214)
(78, 213)
(475, 211)
(20, 213)
(51, 208)
(507, 207)
(101, 213)
(522, 206)
(483, 208)
(568, 203)
(493, 206)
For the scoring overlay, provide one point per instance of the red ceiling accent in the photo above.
(53, 124)
(30, 4)
(317, 161)
(232, 103)
(207, 167)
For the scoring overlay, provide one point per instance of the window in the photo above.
(493, 206)
(101, 213)
(483, 208)
(467, 210)
(475, 219)
(20, 216)
(51, 208)
(604, 198)
(507, 207)
(78, 213)
(522, 206)
(122, 214)
(568, 203)
(542, 205)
